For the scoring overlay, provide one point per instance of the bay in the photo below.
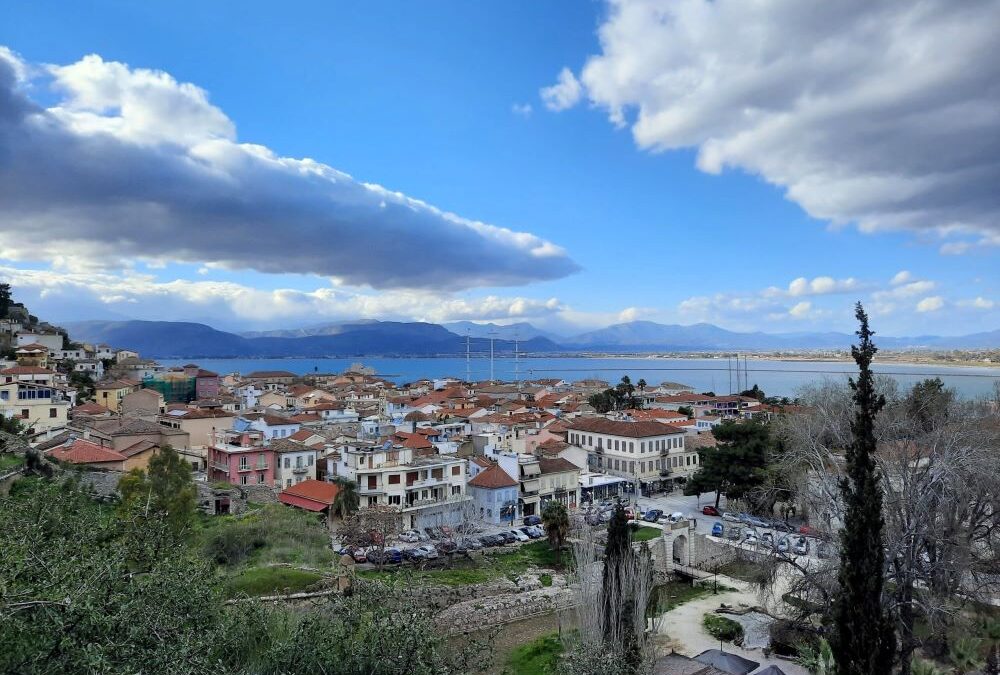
(776, 378)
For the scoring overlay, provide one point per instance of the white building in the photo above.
(293, 462)
(428, 490)
(648, 453)
(53, 341)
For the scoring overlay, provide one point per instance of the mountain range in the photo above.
(178, 339)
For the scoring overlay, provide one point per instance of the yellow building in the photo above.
(109, 393)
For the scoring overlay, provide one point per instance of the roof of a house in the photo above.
(601, 425)
(139, 448)
(267, 374)
(33, 347)
(89, 409)
(81, 451)
(492, 478)
(27, 370)
(556, 465)
(302, 435)
(310, 494)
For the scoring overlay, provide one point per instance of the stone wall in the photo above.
(530, 599)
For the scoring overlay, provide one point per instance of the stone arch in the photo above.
(681, 550)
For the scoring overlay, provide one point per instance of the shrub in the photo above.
(722, 628)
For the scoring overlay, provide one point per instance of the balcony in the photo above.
(221, 466)
(530, 487)
(425, 483)
(301, 469)
(255, 467)
(426, 503)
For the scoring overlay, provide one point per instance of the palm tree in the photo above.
(641, 384)
(964, 655)
(556, 521)
(347, 500)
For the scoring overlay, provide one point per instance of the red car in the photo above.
(710, 511)
(808, 531)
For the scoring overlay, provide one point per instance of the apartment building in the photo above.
(650, 454)
(294, 462)
(241, 458)
(429, 490)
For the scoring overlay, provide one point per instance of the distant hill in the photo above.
(521, 331)
(175, 339)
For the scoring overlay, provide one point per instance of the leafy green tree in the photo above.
(755, 392)
(166, 491)
(347, 500)
(686, 410)
(737, 466)
(864, 640)
(928, 403)
(603, 401)
(556, 521)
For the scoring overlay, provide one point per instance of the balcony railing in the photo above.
(424, 503)
(301, 469)
(425, 483)
(255, 467)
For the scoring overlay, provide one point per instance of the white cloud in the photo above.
(977, 303)
(141, 296)
(878, 113)
(522, 109)
(901, 277)
(565, 93)
(800, 310)
(821, 286)
(930, 304)
(130, 163)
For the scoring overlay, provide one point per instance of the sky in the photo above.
(760, 166)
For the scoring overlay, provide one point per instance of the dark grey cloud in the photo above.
(131, 163)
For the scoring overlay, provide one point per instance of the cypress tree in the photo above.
(618, 591)
(864, 640)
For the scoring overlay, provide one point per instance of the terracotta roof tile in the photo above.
(493, 478)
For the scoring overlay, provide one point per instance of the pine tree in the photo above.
(863, 641)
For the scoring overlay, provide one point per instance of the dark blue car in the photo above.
(532, 520)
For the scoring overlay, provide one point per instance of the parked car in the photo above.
(392, 556)
(413, 554)
(782, 526)
(801, 546)
(430, 553)
(652, 515)
(749, 532)
(539, 530)
(410, 537)
(757, 522)
(751, 541)
(735, 533)
(446, 547)
(490, 540)
(824, 550)
(431, 534)
(360, 555)
(782, 545)
(606, 516)
(767, 540)
(520, 536)
(744, 517)
(532, 520)
(718, 529)
(808, 531)
(507, 537)
(471, 544)
(731, 517)
(532, 532)
(675, 517)
(710, 511)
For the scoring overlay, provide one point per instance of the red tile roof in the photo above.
(556, 465)
(601, 425)
(27, 370)
(81, 451)
(310, 494)
(493, 478)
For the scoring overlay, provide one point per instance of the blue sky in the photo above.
(431, 100)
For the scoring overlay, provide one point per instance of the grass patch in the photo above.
(538, 657)
(441, 577)
(645, 533)
(546, 579)
(722, 628)
(743, 570)
(10, 461)
(269, 581)
(274, 534)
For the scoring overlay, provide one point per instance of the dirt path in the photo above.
(682, 625)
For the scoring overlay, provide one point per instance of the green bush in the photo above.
(722, 628)
(270, 581)
(538, 657)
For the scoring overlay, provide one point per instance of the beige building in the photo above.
(109, 393)
(200, 425)
(38, 406)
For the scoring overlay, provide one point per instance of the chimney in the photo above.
(86, 433)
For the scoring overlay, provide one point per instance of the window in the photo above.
(394, 479)
(372, 482)
(288, 483)
(631, 446)
(243, 463)
(456, 470)
(243, 480)
(642, 446)
(298, 461)
(288, 462)
(52, 412)
(395, 500)
(456, 489)
(309, 460)
(25, 413)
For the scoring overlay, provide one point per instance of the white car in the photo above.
(428, 551)
(675, 517)
(537, 530)
(731, 517)
(521, 536)
(410, 537)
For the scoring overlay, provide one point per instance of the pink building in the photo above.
(241, 458)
